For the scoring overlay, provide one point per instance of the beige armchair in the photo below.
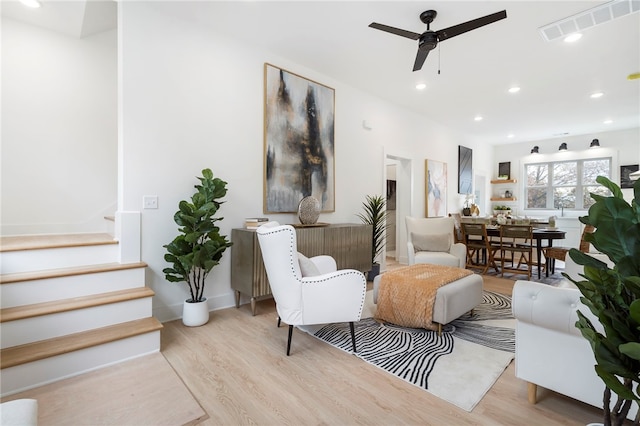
(431, 240)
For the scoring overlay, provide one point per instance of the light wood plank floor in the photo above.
(237, 369)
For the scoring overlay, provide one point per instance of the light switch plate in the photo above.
(150, 202)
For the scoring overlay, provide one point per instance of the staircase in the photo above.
(69, 306)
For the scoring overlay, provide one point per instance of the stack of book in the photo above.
(254, 222)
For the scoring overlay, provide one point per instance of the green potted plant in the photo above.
(375, 215)
(612, 296)
(198, 247)
(504, 210)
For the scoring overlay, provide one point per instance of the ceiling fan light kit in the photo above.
(428, 40)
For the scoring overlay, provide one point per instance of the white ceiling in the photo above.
(477, 68)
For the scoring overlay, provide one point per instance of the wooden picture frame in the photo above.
(299, 156)
(435, 181)
(465, 170)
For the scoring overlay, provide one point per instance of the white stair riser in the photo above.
(44, 327)
(49, 289)
(38, 260)
(48, 370)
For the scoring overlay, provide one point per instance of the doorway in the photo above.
(398, 170)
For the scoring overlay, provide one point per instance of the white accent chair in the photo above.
(418, 228)
(325, 296)
(19, 412)
(550, 350)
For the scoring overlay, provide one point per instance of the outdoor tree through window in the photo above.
(565, 184)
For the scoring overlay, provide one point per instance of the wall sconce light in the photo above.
(594, 143)
(534, 150)
(562, 147)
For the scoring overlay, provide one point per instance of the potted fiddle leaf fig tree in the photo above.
(199, 246)
(375, 215)
(612, 295)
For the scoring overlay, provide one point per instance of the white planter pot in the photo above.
(195, 314)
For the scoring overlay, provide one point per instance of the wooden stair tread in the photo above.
(35, 242)
(66, 272)
(35, 351)
(57, 306)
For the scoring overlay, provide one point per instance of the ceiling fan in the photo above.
(429, 39)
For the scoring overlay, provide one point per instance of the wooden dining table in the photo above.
(539, 234)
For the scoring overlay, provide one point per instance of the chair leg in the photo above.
(353, 336)
(547, 266)
(289, 340)
(278, 322)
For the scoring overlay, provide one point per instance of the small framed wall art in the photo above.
(465, 170)
(435, 188)
(504, 170)
(625, 171)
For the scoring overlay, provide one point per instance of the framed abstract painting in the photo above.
(465, 170)
(435, 188)
(299, 155)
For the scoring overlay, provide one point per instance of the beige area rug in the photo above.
(142, 391)
(460, 366)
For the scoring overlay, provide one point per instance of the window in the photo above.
(565, 184)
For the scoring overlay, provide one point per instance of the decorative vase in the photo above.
(308, 210)
(466, 211)
(195, 314)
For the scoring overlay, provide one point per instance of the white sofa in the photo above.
(550, 350)
(454, 255)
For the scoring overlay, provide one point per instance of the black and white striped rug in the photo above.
(473, 350)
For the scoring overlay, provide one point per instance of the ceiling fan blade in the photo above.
(396, 31)
(470, 25)
(420, 58)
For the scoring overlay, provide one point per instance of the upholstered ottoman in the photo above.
(452, 300)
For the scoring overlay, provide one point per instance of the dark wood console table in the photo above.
(349, 244)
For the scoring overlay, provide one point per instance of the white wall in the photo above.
(59, 130)
(192, 99)
(623, 146)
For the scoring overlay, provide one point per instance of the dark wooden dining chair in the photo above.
(477, 242)
(551, 254)
(509, 234)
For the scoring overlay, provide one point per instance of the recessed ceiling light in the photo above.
(596, 95)
(31, 3)
(608, 121)
(514, 89)
(478, 118)
(421, 86)
(511, 135)
(573, 37)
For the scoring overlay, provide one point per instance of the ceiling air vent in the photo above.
(589, 18)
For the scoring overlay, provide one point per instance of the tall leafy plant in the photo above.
(612, 295)
(199, 247)
(375, 215)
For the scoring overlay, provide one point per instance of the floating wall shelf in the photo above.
(504, 181)
(503, 199)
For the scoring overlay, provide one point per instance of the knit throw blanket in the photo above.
(406, 296)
